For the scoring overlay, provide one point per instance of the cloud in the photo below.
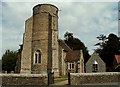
(43, 1)
(86, 20)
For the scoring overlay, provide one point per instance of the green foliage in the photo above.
(9, 59)
(110, 47)
(76, 44)
(117, 69)
(102, 38)
(60, 79)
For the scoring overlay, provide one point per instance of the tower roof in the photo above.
(45, 4)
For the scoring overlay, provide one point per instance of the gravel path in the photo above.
(61, 83)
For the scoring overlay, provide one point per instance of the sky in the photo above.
(86, 20)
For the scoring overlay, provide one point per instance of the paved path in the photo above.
(61, 83)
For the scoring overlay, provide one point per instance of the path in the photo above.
(61, 83)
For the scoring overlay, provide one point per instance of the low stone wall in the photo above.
(94, 78)
(24, 79)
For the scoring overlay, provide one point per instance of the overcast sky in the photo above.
(86, 20)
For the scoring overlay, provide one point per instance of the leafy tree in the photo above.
(72, 42)
(9, 59)
(102, 38)
(68, 36)
(110, 47)
(76, 44)
(117, 69)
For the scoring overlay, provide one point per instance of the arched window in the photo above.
(95, 66)
(37, 57)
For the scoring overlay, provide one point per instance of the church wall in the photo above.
(26, 52)
(101, 64)
(43, 37)
(72, 70)
(40, 41)
(62, 63)
(60, 60)
(55, 66)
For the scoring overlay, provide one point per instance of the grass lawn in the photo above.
(60, 79)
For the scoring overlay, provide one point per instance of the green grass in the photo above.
(60, 79)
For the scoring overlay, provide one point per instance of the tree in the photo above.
(117, 68)
(9, 59)
(76, 44)
(72, 42)
(110, 47)
(68, 36)
(102, 38)
(114, 43)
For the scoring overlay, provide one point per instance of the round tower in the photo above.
(44, 38)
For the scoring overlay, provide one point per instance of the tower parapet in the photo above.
(48, 8)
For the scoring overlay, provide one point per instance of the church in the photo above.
(42, 51)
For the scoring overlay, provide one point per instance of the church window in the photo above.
(71, 66)
(78, 65)
(37, 57)
(95, 66)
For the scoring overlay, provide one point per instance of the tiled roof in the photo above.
(64, 45)
(73, 55)
(117, 57)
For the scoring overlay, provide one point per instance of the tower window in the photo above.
(37, 57)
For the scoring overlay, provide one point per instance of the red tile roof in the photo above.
(73, 55)
(64, 45)
(117, 57)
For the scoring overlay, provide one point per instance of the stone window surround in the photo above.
(36, 60)
(95, 66)
(71, 66)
